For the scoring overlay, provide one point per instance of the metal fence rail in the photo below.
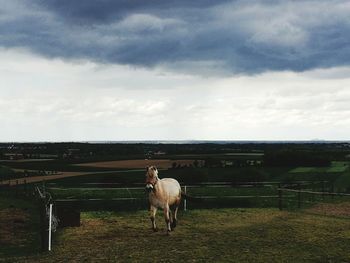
(325, 203)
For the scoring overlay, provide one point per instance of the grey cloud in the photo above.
(199, 37)
(95, 11)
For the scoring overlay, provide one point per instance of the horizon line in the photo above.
(222, 141)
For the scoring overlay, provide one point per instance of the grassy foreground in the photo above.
(218, 235)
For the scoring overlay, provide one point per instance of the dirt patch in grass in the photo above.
(19, 224)
(339, 209)
(12, 226)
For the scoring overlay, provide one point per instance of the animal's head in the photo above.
(151, 177)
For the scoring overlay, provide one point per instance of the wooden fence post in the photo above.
(25, 187)
(256, 194)
(44, 188)
(43, 226)
(299, 196)
(332, 189)
(185, 200)
(16, 192)
(50, 228)
(279, 197)
(323, 190)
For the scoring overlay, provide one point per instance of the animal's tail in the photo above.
(188, 197)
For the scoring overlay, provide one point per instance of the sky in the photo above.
(107, 70)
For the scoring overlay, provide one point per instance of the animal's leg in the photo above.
(153, 211)
(170, 217)
(167, 218)
(174, 221)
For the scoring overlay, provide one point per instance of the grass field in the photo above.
(217, 235)
(183, 175)
(105, 172)
(336, 167)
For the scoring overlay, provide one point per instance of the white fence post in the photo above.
(50, 226)
(185, 200)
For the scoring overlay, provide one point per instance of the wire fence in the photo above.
(308, 197)
(61, 206)
(315, 202)
(311, 195)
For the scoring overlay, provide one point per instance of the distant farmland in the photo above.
(133, 164)
(336, 167)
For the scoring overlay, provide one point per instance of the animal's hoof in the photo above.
(155, 229)
(168, 233)
(173, 225)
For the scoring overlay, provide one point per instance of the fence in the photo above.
(198, 196)
(205, 195)
(67, 203)
(318, 202)
(213, 195)
(43, 203)
(15, 188)
(48, 219)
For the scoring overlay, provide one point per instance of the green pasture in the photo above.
(216, 235)
(231, 191)
(200, 175)
(6, 173)
(221, 156)
(183, 175)
(342, 183)
(67, 165)
(130, 177)
(55, 165)
(331, 173)
(96, 193)
(336, 167)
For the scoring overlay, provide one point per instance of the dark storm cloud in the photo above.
(100, 11)
(200, 36)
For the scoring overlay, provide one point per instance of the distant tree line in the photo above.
(335, 151)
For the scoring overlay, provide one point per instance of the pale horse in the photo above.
(165, 194)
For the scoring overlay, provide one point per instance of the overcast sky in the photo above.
(73, 70)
